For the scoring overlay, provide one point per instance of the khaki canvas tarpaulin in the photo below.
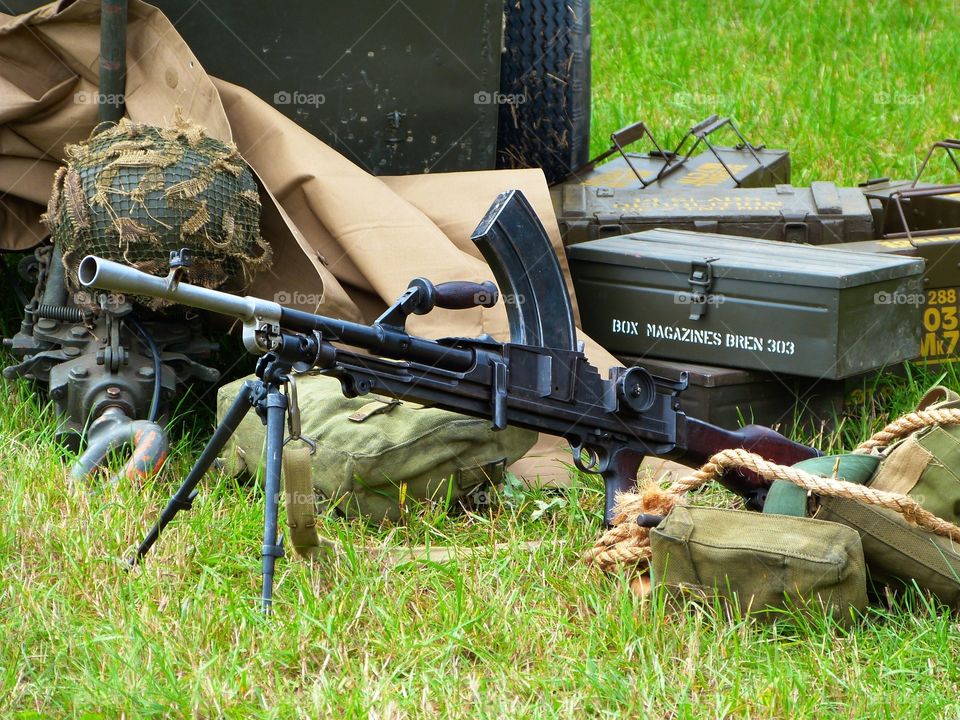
(345, 242)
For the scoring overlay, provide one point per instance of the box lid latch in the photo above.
(700, 280)
(795, 229)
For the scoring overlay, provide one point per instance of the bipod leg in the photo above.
(276, 410)
(183, 498)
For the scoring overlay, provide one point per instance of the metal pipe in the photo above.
(113, 430)
(103, 274)
(113, 60)
(150, 447)
(55, 289)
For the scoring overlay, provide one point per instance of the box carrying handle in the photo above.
(620, 141)
(701, 131)
(898, 197)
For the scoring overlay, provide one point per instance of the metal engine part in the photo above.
(93, 353)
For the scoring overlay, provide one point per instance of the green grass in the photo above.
(511, 632)
(852, 89)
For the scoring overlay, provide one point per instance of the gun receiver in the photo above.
(539, 380)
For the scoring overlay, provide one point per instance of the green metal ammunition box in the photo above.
(731, 397)
(746, 303)
(819, 214)
(926, 208)
(940, 298)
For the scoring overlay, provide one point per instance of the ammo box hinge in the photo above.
(700, 280)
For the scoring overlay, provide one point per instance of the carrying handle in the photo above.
(620, 141)
(452, 295)
(422, 296)
(463, 295)
(701, 132)
(630, 134)
(706, 126)
(949, 145)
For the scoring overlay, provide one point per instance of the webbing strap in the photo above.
(300, 501)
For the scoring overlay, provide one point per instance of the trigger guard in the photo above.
(600, 462)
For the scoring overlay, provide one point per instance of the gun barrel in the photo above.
(103, 274)
(95, 272)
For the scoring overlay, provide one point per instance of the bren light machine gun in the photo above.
(539, 380)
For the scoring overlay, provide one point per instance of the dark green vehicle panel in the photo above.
(396, 87)
(407, 86)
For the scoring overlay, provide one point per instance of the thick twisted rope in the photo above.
(907, 424)
(909, 508)
(628, 544)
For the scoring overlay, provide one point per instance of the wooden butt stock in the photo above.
(698, 440)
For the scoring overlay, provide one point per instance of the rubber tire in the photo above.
(546, 63)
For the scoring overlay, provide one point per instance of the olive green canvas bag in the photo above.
(369, 456)
(898, 493)
(925, 465)
(922, 465)
(897, 553)
(759, 563)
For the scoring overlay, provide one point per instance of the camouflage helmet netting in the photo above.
(133, 193)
